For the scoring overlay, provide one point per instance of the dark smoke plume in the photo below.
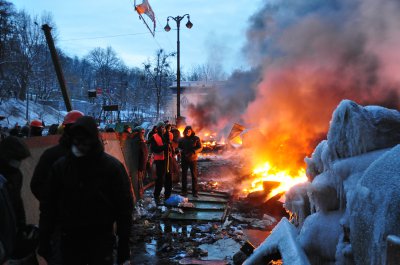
(310, 55)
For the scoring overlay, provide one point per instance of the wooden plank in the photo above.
(190, 261)
(196, 215)
(201, 205)
(208, 193)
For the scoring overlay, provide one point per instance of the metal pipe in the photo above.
(57, 67)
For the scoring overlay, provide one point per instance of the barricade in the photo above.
(37, 145)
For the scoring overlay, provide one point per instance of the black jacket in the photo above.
(14, 186)
(143, 153)
(42, 169)
(8, 228)
(191, 146)
(87, 194)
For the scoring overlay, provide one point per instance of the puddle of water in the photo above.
(151, 250)
(180, 229)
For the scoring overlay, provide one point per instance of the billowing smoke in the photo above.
(311, 54)
(227, 103)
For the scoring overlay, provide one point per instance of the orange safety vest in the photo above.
(158, 139)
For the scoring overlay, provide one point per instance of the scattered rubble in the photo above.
(163, 241)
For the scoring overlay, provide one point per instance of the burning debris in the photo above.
(344, 214)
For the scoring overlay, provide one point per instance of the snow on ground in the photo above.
(14, 112)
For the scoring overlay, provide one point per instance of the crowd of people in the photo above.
(86, 196)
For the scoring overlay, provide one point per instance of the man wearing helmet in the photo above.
(88, 191)
(40, 178)
(35, 128)
(52, 154)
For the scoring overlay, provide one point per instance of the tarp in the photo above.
(37, 145)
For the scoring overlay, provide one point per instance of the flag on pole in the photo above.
(145, 8)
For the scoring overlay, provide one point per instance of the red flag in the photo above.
(145, 8)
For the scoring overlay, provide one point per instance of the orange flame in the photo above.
(181, 129)
(266, 172)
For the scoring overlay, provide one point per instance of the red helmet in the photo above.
(72, 116)
(36, 123)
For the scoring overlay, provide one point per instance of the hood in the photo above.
(14, 148)
(86, 127)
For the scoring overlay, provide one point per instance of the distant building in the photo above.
(192, 92)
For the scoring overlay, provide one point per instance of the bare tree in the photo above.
(7, 14)
(206, 72)
(30, 52)
(104, 62)
(159, 72)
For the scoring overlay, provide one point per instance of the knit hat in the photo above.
(14, 148)
(86, 125)
(160, 124)
(138, 129)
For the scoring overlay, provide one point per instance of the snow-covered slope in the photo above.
(15, 112)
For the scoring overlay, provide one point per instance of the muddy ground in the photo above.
(161, 241)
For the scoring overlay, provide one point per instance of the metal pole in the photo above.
(46, 28)
(178, 72)
(27, 105)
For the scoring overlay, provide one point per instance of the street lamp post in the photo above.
(167, 28)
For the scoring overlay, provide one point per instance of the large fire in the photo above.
(266, 172)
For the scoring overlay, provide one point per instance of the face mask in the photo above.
(76, 151)
(15, 163)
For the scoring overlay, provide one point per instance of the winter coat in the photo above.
(42, 170)
(155, 148)
(12, 212)
(142, 152)
(191, 146)
(8, 227)
(14, 186)
(87, 194)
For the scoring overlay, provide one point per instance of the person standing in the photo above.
(127, 129)
(140, 155)
(159, 147)
(40, 177)
(172, 145)
(35, 128)
(16, 130)
(52, 154)
(152, 132)
(12, 213)
(190, 146)
(88, 191)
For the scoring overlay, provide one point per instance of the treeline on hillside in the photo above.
(26, 67)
